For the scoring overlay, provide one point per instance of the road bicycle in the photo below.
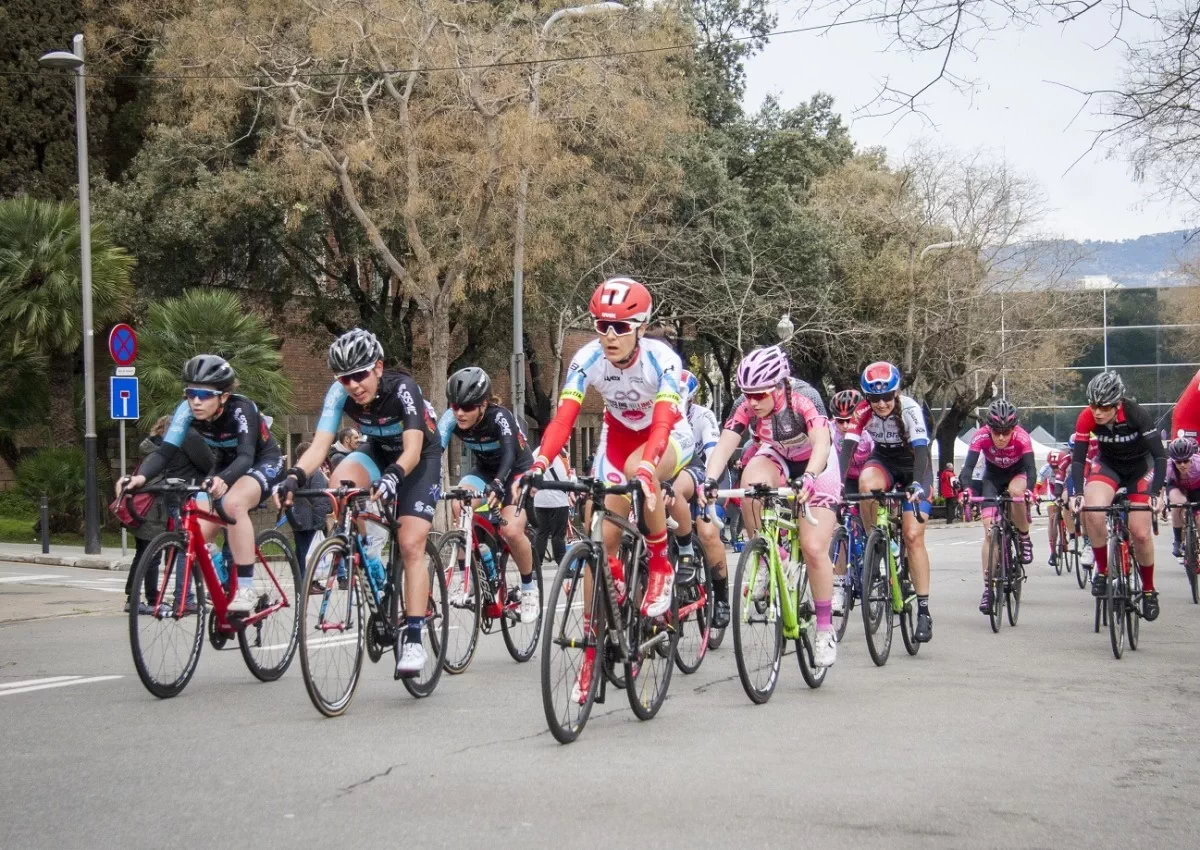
(848, 547)
(166, 634)
(485, 588)
(1006, 573)
(772, 599)
(887, 591)
(354, 602)
(1120, 608)
(1191, 547)
(589, 619)
(1067, 547)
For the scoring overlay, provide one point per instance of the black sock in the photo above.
(923, 604)
(1178, 532)
(413, 628)
(721, 588)
(684, 542)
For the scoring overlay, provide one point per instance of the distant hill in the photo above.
(1151, 260)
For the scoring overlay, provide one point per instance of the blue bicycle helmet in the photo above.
(879, 379)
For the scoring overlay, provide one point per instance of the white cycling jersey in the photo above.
(895, 433)
(629, 394)
(705, 430)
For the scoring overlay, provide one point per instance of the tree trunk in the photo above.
(64, 415)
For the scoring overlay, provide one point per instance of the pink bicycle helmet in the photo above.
(763, 368)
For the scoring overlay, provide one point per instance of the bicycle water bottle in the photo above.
(489, 562)
(218, 562)
(894, 545)
(373, 563)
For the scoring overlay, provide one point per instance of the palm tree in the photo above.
(41, 293)
(209, 321)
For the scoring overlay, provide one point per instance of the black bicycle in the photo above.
(1120, 608)
(1006, 573)
(1191, 547)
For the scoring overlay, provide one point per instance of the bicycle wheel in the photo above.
(464, 583)
(568, 634)
(757, 626)
(695, 617)
(333, 626)
(716, 636)
(813, 675)
(1115, 599)
(838, 549)
(268, 635)
(908, 614)
(1060, 546)
(1015, 580)
(996, 577)
(520, 638)
(653, 643)
(1133, 605)
(1083, 573)
(436, 633)
(1190, 550)
(878, 617)
(166, 643)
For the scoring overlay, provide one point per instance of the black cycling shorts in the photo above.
(1134, 477)
(417, 495)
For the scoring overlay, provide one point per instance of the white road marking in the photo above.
(47, 684)
(28, 578)
(8, 685)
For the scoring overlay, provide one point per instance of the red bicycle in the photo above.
(167, 632)
(483, 593)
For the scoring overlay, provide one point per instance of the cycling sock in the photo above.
(825, 614)
(923, 604)
(528, 582)
(1178, 532)
(1147, 571)
(1101, 553)
(657, 547)
(721, 588)
(412, 630)
(245, 574)
(685, 544)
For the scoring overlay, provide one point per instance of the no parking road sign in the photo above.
(122, 345)
(123, 398)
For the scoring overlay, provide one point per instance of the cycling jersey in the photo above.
(1062, 472)
(901, 441)
(239, 436)
(1185, 418)
(497, 442)
(398, 406)
(787, 428)
(865, 446)
(705, 430)
(1016, 457)
(1123, 444)
(806, 389)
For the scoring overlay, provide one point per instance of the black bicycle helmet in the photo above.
(354, 351)
(209, 370)
(1182, 448)
(1002, 415)
(467, 387)
(1106, 389)
(844, 403)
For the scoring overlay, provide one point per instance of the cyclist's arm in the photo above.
(666, 412)
(413, 416)
(153, 465)
(198, 453)
(1083, 428)
(819, 434)
(247, 446)
(559, 430)
(913, 420)
(852, 436)
(1157, 451)
(446, 426)
(508, 443)
(968, 470)
(326, 433)
(1030, 466)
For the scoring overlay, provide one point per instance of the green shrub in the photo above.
(58, 475)
(14, 503)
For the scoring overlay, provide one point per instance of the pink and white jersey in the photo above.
(787, 429)
(1002, 458)
(866, 445)
(629, 394)
(1187, 478)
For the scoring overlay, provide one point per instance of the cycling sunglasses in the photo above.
(876, 399)
(1001, 432)
(1102, 407)
(354, 377)
(465, 408)
(758, 395)
(603, 326)
(201, 393)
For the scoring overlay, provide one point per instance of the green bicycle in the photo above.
(887, 591)
(776, 600)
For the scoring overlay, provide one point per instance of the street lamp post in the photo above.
(535, 84)
(73, 61)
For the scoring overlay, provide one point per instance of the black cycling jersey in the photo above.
(238, 435)
(1127, 440)
(497, 441)
(398, 406)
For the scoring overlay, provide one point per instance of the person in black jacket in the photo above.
(308, 513)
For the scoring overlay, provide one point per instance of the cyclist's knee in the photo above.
(914, 536)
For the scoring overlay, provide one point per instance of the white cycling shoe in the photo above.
(244, 598)
(530, 606)
(824, 648)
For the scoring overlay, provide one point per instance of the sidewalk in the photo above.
(66, 556)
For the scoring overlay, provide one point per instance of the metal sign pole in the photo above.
(123, 538)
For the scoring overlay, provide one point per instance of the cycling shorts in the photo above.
(827, 489)
(479, 479)
(899, 474)
(1134, 477)
(618, 443)
(267, 472)
(418, 493)
(995, 482)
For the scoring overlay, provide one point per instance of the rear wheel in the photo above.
(568, 635)
(464, 592)
(166, 642)
(757, 625)
(1115, 599)
(996, 577)
(520, 638)
(653, 643)
(268, 636)
(1190, 552)
(1133, 606)
(1015, 580)
(331, 628)
(696, 608)
(435, 634)
(878, 617)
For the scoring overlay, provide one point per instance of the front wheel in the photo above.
(1115, 600)
(465, 591)
(757, 625)
(332, 630)
(570, 627)
(1015, 581)
(996, 577)
(878, 616)
(268, 635)
(436, 633)
(166, 632)
(1190, 554)
(520, 638)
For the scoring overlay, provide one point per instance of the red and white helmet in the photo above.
(1053, 457)
(763, 368)
(621, 299)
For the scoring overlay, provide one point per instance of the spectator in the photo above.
(192, 465)
(947, 492)
(308, 513)
(347, 441)
(553, 509)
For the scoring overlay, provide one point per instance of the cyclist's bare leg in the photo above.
(986, 516)
(513, 532)
(1176, 499)
(760, 470)
(871, 479)
(411, 537)
(1142, 537)
(714, 549)
(1052, 528)
(1097, 494)
(918, 555)
(1019, 512)
(814, 542)
(237, 502)
(681, 506)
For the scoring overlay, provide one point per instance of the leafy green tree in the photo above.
(40, 292)
(209, 321)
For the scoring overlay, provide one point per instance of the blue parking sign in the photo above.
(123, 398)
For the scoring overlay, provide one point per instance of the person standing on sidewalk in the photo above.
(948, 493)
(553, 509)
(347, 442)
(308, 513)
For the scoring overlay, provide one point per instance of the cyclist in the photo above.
(1007, 450)
(900, 459)
(1130, 455)
(399, 458)
(502, 456)
(647, 436)
(246, 454)
(1046, 479)
(705, 432)
(843, 405)
(1183, 485)
(795, 448)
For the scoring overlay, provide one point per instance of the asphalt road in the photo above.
(1036, 737)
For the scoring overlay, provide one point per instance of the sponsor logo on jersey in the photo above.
(410, 405)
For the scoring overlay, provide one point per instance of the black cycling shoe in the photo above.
(1099, 584)
(924, 632)
(685, 569)
(720, 619)
(1150, 607)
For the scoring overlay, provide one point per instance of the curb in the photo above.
(85, 562)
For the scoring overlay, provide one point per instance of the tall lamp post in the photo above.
(535, 84)
(73, 61)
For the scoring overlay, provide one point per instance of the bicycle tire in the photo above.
(341, 597)
(165, 549)
(758, 688)
(437, 624)
(1060, 545)
(466, 617)
(1083, 573)
(558, 637)
(269, 658)
(877, 599)
(1190, 550)
(692, 643)
(1133, 608)
(1115, 599)
(716, 636)
(1016, 578)
(521, 639)
(813, 675)
(840, 545)
(656, 665)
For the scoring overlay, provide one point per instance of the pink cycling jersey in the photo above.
(1184, 479)
(865, 446)
(1002, 458)
(787, 429)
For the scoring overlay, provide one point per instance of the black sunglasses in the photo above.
(354, 377)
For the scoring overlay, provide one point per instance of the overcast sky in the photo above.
(1015, 110)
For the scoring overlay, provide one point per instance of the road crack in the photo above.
(349, 789)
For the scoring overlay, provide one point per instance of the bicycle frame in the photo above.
(892, 533)
(349, 515)
(470, 521)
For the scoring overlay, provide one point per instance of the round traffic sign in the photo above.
(122, 345)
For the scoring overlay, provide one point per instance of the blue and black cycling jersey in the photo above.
(239, 436)
(398, 406)
(496, 441)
